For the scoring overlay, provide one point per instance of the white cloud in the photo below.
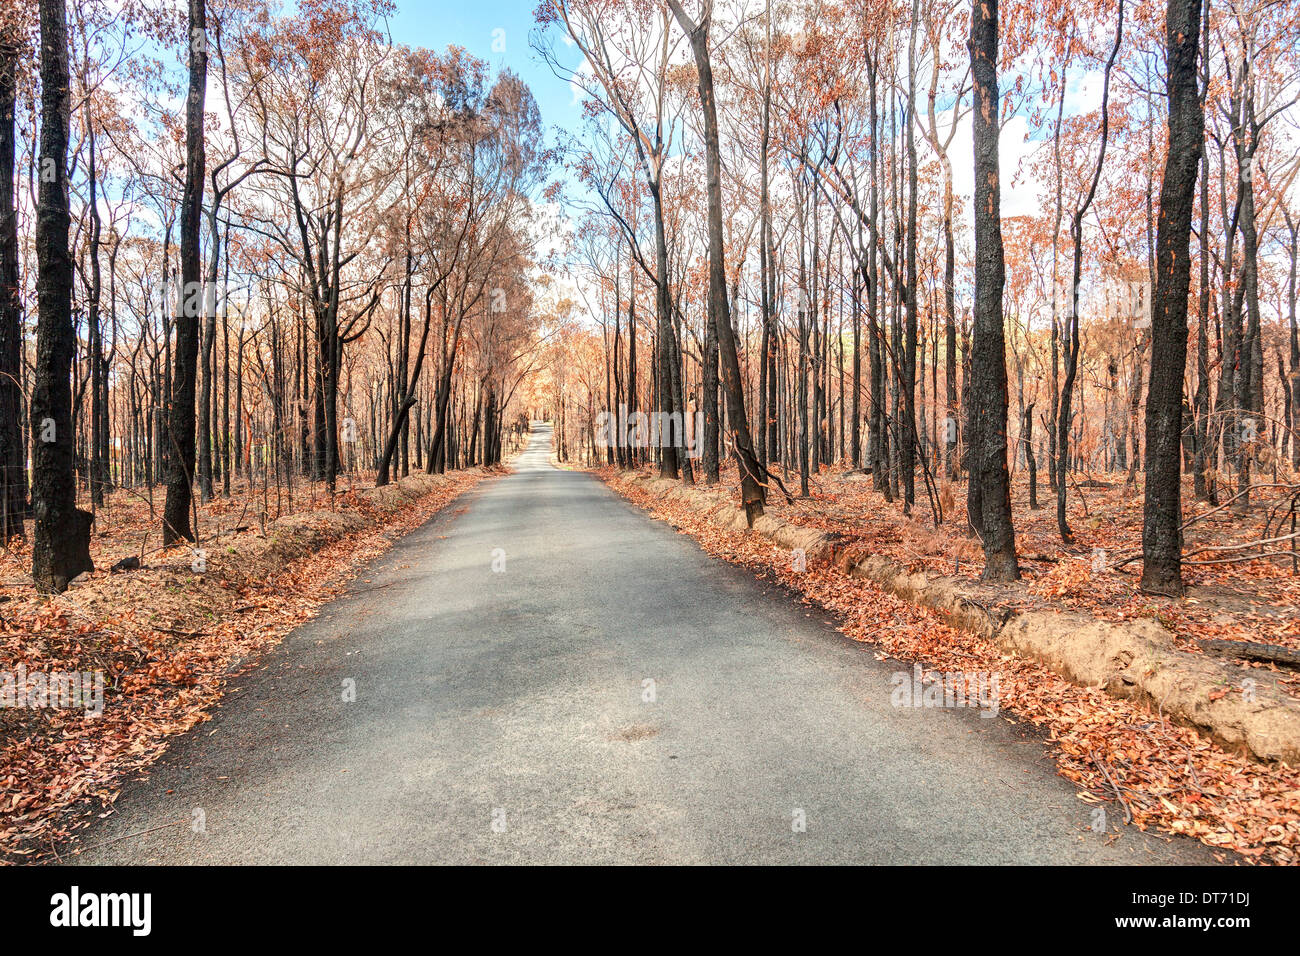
(1014, 148)
(1083, 92)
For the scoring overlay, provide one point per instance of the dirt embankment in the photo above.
(1240, 707)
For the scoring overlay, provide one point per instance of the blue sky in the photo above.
(481, 25)
(497, 31)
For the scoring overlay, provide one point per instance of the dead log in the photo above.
(1251, 651)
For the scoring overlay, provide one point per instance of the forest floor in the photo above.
(1234, 600)
(168, 634)
(1121, 754)
(1250, 600)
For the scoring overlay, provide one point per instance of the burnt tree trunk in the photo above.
(752, 486)
(989, 490)
(665, 352)
(61, 543)
(407, 398)
(98, 463)
(1162, 539)
(13, 459)
(709, 386)
(180, 418)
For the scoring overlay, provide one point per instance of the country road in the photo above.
(501, 658)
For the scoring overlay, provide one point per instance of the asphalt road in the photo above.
(503, 715)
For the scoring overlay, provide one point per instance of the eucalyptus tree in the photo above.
(13, 455)
(320, 136)
(1162, 539)
(61, 542)
(988, 495)
(180, 423)
(628, 51)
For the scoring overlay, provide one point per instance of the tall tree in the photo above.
(632, 74)
(189, 305)
(13, 458)
(61, 543)
(1162, 539)
(752, 487)
(988, 501)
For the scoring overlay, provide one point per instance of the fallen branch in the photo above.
(82, 849)
(1251, 651)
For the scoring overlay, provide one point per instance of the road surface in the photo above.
(543, 674)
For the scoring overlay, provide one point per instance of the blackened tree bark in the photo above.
(989, 490)
(907, 449)
(442, 400)
(1162, 539)
(61, 543)
(180, 428)
(670, 462)
(752, 488)
(709, 400)
(1031, 460)
(631, 350)
(13, 460)
(95, 337)
(408, 398)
